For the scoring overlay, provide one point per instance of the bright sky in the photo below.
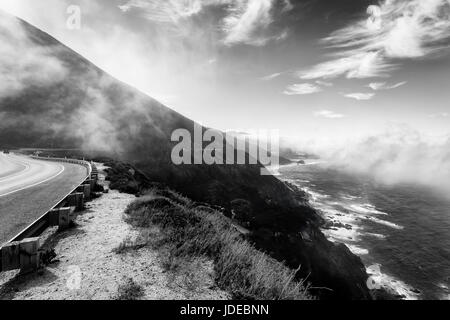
(315, 69)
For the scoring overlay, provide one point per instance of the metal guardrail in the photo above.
(22, 251)
(87, 164)
(42, 223)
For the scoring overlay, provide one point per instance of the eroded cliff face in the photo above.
(279, 218)
(81, 107)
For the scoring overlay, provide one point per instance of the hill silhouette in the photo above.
(51, 97)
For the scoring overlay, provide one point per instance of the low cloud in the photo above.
(50, 96)
(399, 155)
(24, 63)
(302, 88)
(359, 96)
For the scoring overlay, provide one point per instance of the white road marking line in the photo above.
(26, 169)
(8, 160)
(19, 160)
(36, 184)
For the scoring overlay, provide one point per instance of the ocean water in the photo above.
(401, 232)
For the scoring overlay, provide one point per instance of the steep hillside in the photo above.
(51, 97)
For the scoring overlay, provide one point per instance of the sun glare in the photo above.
(10, 6)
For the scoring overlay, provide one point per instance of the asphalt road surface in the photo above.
(29, 188)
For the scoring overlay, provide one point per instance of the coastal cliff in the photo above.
(280, 220)
(89, 111)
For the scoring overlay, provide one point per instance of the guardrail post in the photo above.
(29, 254)
(90, 182)
(64, 218)
(72, 214)
(76, 200)
(53, 217)
(87, 191)
(61, 217)
(10, 256)
(79, 205)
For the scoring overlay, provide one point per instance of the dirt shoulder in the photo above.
(89, 266)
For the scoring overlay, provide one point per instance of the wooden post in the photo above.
(10, 256)
(64, 218)
(87, 191)
(90, 182)
(80, 202)
(29, 254)
(72, 213)
(53, 217)
(76, 200)
(71, 199)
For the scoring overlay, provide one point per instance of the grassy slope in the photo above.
(191, 231)
(281, 233)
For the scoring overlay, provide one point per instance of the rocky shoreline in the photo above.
(338, 228)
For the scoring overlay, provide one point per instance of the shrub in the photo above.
(190, 232)
(132, 244)
(129, 290)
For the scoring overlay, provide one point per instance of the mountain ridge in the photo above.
(67, 102)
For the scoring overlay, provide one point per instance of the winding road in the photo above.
(29, 188)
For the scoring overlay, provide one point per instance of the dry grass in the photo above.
(132, 244)
(189, 233)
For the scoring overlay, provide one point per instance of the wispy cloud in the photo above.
(244, 21)
(324, 83)
(328, 114)
(355, 65)
(384, 86)
(271, 76)
(440, 115)
(169, 11)
(359, 96)
(395, 29)
(287, 5)
(247, 22)
(302, 88)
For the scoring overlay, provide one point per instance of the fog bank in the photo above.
(398, 155)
